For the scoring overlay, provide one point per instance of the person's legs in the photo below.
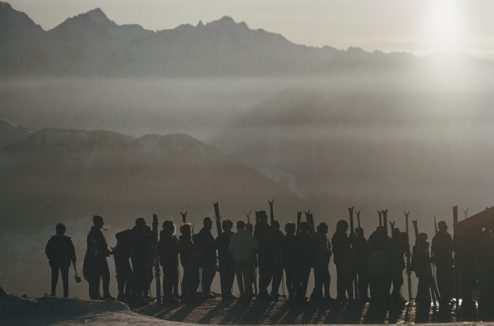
(208, 272)
(326, 281)
(105, 276)
(318, 283)
(341, 285)
(65, 280)
(54, 279)
(240, 272)
(289, 281)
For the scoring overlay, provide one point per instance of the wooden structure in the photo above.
(477, 222)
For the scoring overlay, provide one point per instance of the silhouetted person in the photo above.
(189, 259)
(140, 256)
(303, 258)
(379, 266)
(264, 236)
(242, 245)
(225, 257)
(361, 253)
(442, 255)
(342, 260)
(249, 228)
(277, 259)
(206, 246)
(168, 252)
(151, 258)
(467, 266)
(485, 258)
(61, 253)
(289, 248)
(398, 249)
(321, 253)
(121, 255)
(421, 265)
(95, 264)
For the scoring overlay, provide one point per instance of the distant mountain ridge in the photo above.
(92, 44)
(55, 174)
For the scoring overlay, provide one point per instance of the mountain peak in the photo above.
(96, 15)
(92, 17)
(227, 22)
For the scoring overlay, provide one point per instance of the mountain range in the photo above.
(56, 174)
(91, 44)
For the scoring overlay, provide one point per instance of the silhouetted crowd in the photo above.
(263, 259)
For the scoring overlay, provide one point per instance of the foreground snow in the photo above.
(56, 311)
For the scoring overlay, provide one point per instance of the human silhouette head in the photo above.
(396, 233)
(290, 228)
(262, 217)
(140, 223)
(342, 226)
(186, 229)
(322, 228)
(227, 225)
(240, 225)
(275, 225)
(60, 229)
(443, 227)
(207, 223)
(249, 227)
(359, 231)
(98, 221)
(168, 227)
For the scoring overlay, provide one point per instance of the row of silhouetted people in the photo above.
(260, 256)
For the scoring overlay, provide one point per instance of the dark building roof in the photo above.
(478, 221)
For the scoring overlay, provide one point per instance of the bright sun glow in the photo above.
(444, 26)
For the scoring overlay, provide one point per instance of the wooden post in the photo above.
(217, 217)
(354, 290)
(456, 270)
(358, 218)
(299, 219)
(156, 261)
(385, 220)
(408, 256)
(271, 211)
(352, 226)
(380, 217)
(435, 226)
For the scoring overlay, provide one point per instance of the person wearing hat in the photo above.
(61, 253)
(95, 268)
(442, 256)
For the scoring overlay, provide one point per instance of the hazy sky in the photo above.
(418, 26)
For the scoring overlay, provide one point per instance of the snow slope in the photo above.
(56, 311)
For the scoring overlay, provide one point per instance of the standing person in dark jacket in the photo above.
(342, 260)
(249, 228)
(140, 257)
(288, 249)
(322, 254)
(421, 265)
(361, 252)
(227, 265)
(121, 255)
(303, 256)
(189, 259)
(379, 266)
(168, 252)
(95, 264)
(206, 247)
(277, 259)
(442, 256)
(151, 257)
(264, 236)
(60, 252)
(398, 250)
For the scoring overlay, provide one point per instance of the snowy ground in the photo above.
(56, 311)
